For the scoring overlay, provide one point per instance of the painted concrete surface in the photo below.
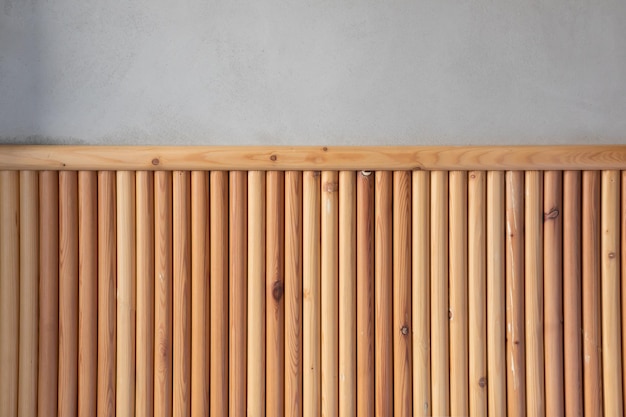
(312, 72)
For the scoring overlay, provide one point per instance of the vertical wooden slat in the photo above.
(496, 302)
(572, 293)
(200, 313)
(421, 293)
(9, 290)
(29, 292)
(181, 354)
(126, 274)
(238, 285)
(365, 294)
(293, 293)
(144, 218)
(592, 330)
(329, 291)
(440, 366)
(106, 293)
(384, 293)
(623, 275)
(553, 287)
(458, 303)
(256, 293)
(477, 285)
(347, 293)
(219, 292)
(402, 326)
(311, 292)
(611, 326)
(163, 293)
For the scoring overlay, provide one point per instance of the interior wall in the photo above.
(312, 72)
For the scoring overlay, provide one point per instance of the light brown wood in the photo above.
(218, 189)
(402, 349)
(383, 279)
(347, 293)
(9, 290)
(311, 292)
(611, 314)
(553, 291)
(421, 293)
(29, 293)
(592, 330)
(313, 157)
(163, 294)
(181, 354)
(200, 307)
(515, 338)
(458, 293)
(330, 293)
(144, 219)
(440, 352)
(256, 293)
(477, 286)
(293, 293)
(126, 282)
(238, 285)
(365, 383)
(274, 292)
(623, 272)
(572, 293)
(496, 294)
(107, 259)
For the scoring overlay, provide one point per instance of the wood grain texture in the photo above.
(421, 293)
(107, 260)
(383, 278)
(496, 294)
(458, 294)
(29, 293)
(218, 189)
(572, 293)
(477, 286)
(611, 294)
(553, 291)
(163, 294)
(402, 325)
(515, 324)
(181, 354)
(311, 292)
(330, 293)
(144, 220)
(256, 293)
(9, 290)
(238, 269)
(440, 351)
(365, 382)
(592, 318)
(293, 293)
(200, 294)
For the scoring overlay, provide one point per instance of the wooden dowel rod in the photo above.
(238, 286)
(106, 293)
(515, 341)
(256, 293)
(384, 293)
(611, 288)
(181, 354)
(365, 294)
(623, 273)
(293, 293)
(421, 293)
(553, 291)
(29, 293)
(592, 330)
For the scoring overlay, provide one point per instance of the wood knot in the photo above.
(611, 255)
(156, 161)
(331, 187)
(482, 382)
(325, 149)
(317, 174)
(273, 157)
(404, 330)
(551, 215)
(277, 290)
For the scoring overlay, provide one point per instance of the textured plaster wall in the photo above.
(350, 72)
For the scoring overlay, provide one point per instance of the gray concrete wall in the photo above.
(350, 72)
